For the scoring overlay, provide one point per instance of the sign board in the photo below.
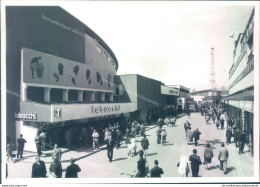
(41, 68)
(169, 91)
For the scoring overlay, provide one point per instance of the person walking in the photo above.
(141, 165)
(242, 141)
(196, 135)
(133, 146)
(186, 125)
(223, 157)
(195, 163)
(156, 171)
(110, 148)
(20, 141)
(189, 136)
(72, 170)
(118, 136)
(95, 137)
(145, 145)
(208, 155)
(39, 169)
(158, 133)
(236, 136)
(38, 141)
(183, 165)
(163, 135)
(56, 169)
(9, 151)
(56, 153)
(222, 121)
(228, 135)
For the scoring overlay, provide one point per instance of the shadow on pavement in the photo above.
(213, 142)
(168, 144)
(230, 169)
(118, 159)
(151, 154)
(214, 167)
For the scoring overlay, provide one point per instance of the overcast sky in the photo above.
(167, 41)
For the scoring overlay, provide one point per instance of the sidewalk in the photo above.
(76, 153)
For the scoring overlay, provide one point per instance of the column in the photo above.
(92, 96)
(80, 95)
(65, 97)
(102, 96)
(111, 98)
(47, 93)
(23, 92)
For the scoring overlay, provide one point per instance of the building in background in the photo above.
(240, 102)
(184, 95)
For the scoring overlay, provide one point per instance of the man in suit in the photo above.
(228, 135)
(196, 135)
(156, 171)
(222, 121)
(242, 141)
(222, 157)
(39, 169)
(20, 141)
(195, 163)
(110, 148)
(158, 133)
(72, 170)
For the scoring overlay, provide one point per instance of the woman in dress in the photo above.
(183, 166)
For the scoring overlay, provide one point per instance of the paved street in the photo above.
(124, 166)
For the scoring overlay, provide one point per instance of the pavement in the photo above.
(94, 163)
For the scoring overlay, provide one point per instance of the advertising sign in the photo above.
(41, 68)
(169, 91)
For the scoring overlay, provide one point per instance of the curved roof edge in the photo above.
(91, 33)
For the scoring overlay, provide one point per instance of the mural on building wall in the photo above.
(41, 68)
(36, 67)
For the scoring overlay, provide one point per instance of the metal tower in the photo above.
(212, 74)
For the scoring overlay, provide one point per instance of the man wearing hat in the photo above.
(20, 141)
(72, 170)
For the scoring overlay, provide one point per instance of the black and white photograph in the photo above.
(129, 92)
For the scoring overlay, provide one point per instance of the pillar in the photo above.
(80, 95)
(111, 97)
(24, 92)
(102, 96)
(92, 96)
(65, 97)
(47, 93)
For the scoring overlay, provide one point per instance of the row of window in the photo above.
(104, 53)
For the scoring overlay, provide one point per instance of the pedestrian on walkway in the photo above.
(195, 163)
(72, 170)
(208, 155)
(39, 169)
(56, 169)
(189, 136)
(38, 141)
(186, 125)
(236, 136)
(20, 142)
(110, 148)
(43, 137)
(228, 135)
(158, 134)
(217, 124)
(156, 171)
(141, 165)
(222, 121)
(95, 137)
(9, 151)
(56, 153)
(183, 165)
(118, 136)
(133, 146)
(223, 157)
(163, 135)
(196, 135)
(145, 145)
(242, 141)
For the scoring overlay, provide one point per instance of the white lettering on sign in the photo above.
(31, 116)
(105, 109)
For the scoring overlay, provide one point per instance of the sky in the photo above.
(167, 41)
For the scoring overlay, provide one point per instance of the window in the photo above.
(99, 49)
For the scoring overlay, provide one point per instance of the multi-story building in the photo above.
(183, 97)
(240, 102)
(60, 74)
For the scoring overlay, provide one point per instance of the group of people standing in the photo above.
(191, 135)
